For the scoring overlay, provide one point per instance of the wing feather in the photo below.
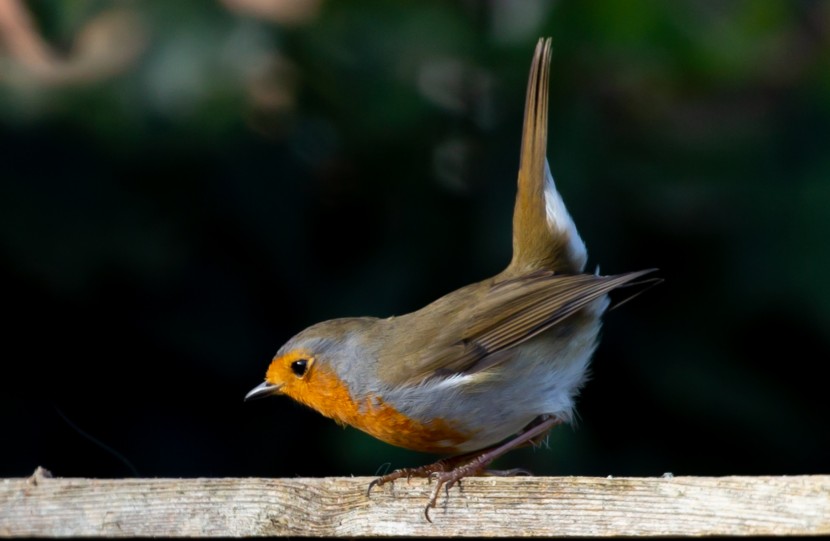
(507, 314)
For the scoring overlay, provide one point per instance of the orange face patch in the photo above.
(319, 388)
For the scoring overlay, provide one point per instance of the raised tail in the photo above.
(544, 234)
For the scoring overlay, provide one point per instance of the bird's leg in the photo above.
(477, 465)
(449, 471)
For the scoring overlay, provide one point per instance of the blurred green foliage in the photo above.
(187, 184)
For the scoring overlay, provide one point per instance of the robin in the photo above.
(483, 370)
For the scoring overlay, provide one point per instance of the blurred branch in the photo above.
(105, 46)
(22, 40)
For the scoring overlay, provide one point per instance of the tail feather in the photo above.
(544, 234)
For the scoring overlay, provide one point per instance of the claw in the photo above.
(373, 484)
(433, 499)
(426, 513)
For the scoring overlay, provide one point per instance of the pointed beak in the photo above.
(262, 390)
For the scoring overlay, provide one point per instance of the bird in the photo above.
(483, 370)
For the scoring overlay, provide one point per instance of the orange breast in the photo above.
(325, 393)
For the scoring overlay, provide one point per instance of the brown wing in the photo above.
(507, 314)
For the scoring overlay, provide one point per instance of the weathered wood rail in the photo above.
(488, 506)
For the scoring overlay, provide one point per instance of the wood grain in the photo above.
(490, 506)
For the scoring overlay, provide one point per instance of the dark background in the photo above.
(187, 184)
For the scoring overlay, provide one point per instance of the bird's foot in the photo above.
(443, 465)
(477, 466)
(449, 471)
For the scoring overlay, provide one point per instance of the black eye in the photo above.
(299, 367)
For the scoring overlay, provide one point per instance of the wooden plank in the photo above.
(488, 506)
